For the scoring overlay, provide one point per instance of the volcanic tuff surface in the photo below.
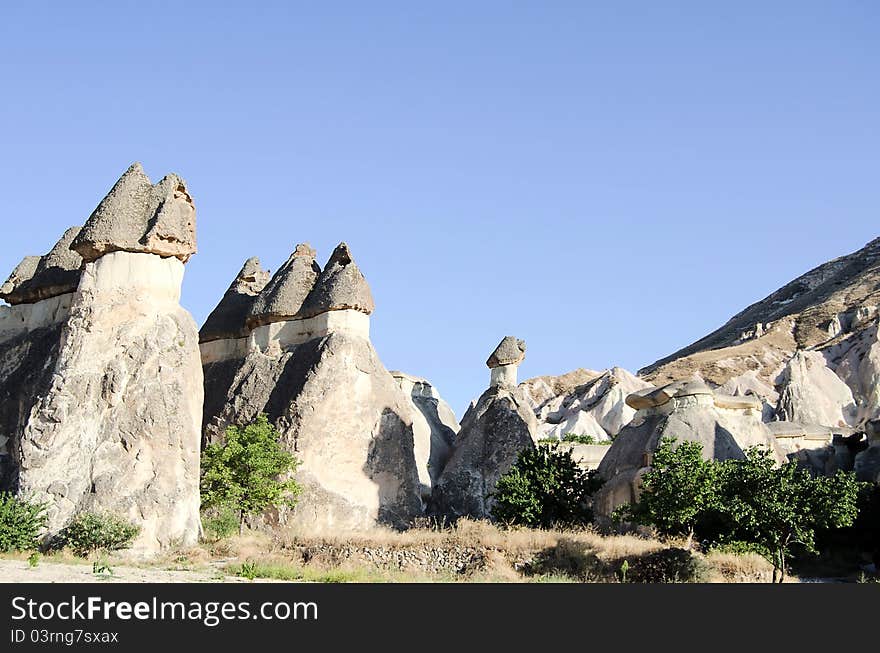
(227, 320)
(307, 363)
(106, 413)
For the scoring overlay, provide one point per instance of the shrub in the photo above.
(245, 473)
(221, 522)
(21, 523)
(583, 439)
(90, 532)
(568, 559)
(579, 439)
(544, 488)
(670, 566)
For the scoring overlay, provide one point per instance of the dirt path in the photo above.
(19, 571)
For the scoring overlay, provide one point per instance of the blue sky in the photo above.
(609, 181)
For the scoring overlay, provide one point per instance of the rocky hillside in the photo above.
(802, 364)
(834, 299)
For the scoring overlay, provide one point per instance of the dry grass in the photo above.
(516, 555)
(740, 567)
(482, 534)
(498, 555)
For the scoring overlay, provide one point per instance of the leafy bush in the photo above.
(583, 439)
(567, 559)
(245, 472)
(90, 532)
(670, 566)
(21, 523)
(221, 522)
(544, 488)
(579, 439)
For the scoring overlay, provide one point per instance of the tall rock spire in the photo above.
(116, 427)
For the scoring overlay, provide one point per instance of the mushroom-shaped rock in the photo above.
(42, 277)
(142, 217)
(654, 397)
(228, 320)
(282, 298)
(509, 351)
(686, 411)
(341, 286)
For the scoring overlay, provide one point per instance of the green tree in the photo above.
(679, 491)
(544, 488)
(751, 503)
(778, 507)
(249, 472)
(21, 523)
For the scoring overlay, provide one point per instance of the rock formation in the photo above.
(227, 320)
(434, 429)
(867, 463)
(493, 432)
(595, 407)
(140, 217)
(39, 292)
(787, 348)
(505, 360)
(118, 427)
(811, 393)
(43, 277)
(307, 363)
(282, 298)
(688, 411)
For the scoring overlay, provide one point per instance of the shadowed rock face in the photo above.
(22, 273)
(340, 286)
(867, 463)
(341, 413)
(434, 429)
(228, 319)
(319, 380)
(493, 432)
(39, 291)
(138, 216)
(43, 277)
(27, 362)
(282, 298)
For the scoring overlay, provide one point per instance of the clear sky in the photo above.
(608, 180)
